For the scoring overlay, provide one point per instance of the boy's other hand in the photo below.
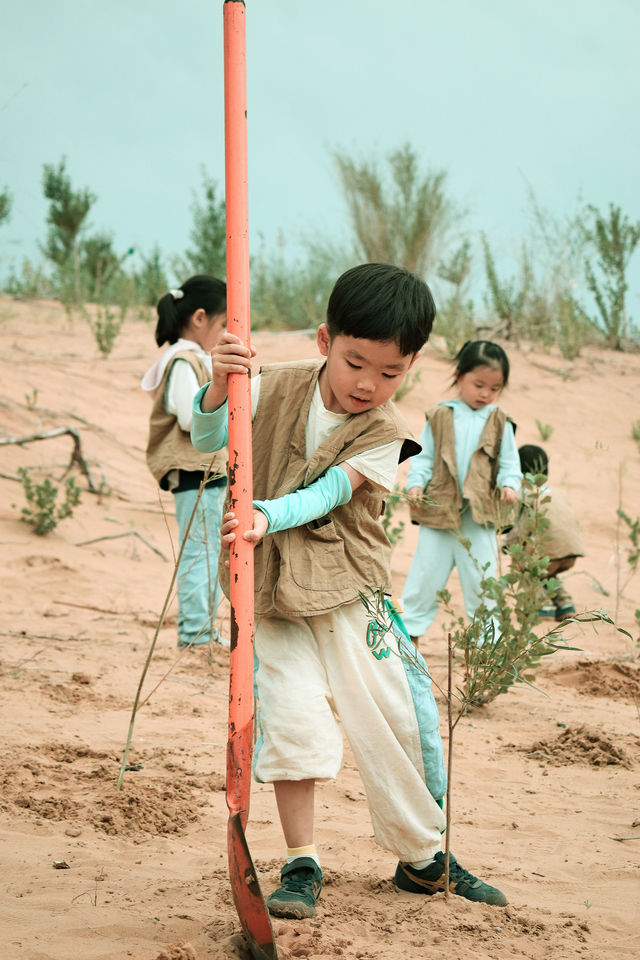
(228, 530)
(230, 355)
(415, 494)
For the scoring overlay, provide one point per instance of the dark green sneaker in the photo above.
(567, 610)
(430, 880)
(300, 886)
(547, 613)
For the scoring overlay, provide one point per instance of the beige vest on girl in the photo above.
(479, 488)
(169, 447)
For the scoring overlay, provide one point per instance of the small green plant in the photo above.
(30, 283)
(393, 530)
(105, 329)
(31, 399)
(544, 429)
(500, 646)
(455, 324)
(411, 380)
(633, 553)
(455, 313)
(635, 432)
(573, 326)
(43, 514)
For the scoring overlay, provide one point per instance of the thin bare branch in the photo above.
(76, 454)
(129, 533)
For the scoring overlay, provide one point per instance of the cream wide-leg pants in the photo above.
(311, 673)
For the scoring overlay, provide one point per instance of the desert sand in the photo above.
(545, 788)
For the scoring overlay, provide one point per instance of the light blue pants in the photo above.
(198, 588)
(437, 553)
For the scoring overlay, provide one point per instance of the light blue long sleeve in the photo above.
(509, 472)
(309, 503)
(209, 431)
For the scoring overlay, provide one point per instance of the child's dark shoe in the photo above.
(430, 880)
(565, 611)
(547, 613)
(300, 887)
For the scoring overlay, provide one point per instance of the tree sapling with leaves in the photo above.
(564, 543)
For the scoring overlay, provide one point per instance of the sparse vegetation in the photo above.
(544, 429)
(44, 513)
(397, 212)
(387, 637)
(454, 320)
(68, 211)
(5, 205)
(611, 240)
(105, 328)
(31, 399)
(290, 296)
(411, 380)
(208, 235)
(403, 216)
(393, 529)
(633, 551)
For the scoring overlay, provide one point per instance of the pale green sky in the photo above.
(500, 94)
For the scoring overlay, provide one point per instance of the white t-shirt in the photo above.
(379, 465)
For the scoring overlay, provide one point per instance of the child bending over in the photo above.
(326, 444)
(564, 538)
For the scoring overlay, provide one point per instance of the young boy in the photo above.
(326, 445)
(564, 544)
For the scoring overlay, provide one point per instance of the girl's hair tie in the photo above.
(177, 294)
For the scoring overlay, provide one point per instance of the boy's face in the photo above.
(360, 374)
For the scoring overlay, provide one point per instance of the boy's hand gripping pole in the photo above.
(247, 896)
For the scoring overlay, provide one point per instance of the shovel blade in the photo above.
(247, 895)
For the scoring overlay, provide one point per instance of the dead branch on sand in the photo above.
(129, 533)
(76, 454)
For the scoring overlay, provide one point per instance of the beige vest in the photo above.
(479, 488)
(317, 567)
(169, 447)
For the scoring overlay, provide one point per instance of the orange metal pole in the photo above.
(245, 888)
(240, 453)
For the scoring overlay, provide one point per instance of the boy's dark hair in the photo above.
(533, 459)
(200, 291)
(378, 301)
(481, 353)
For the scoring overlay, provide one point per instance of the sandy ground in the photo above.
(545, 789)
